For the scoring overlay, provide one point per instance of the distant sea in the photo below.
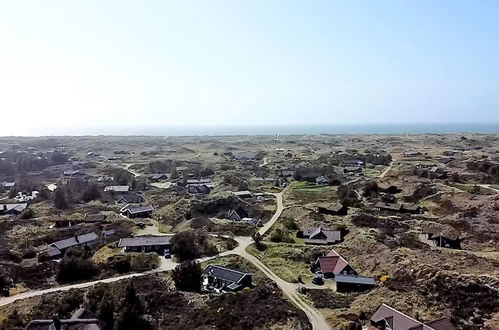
(486, 128)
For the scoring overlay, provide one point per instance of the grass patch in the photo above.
(288, 261)
(104, 253)
(302, 192)
(164, 228)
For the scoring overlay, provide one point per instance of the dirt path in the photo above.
(289, 289)
(128, 169)
(385, 172)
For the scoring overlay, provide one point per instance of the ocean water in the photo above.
(413, 128)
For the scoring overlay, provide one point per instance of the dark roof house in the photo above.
(117, 188)
(14, 209)
(332, 208)
(220, 278)
(198, 189)
(321, 236)
(158, 244)
(57, 249)
(137, 211)
(401, 208)
(238, 214)
(159, 176)
(387, 317)
(348, 283)
(129, 198)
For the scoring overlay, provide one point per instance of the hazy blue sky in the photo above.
(247, 62)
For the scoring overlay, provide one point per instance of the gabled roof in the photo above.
(319, 235)
(13, 207)
(400, 321)
(333, 263)
(129, 198)
(117, 188)
(240, 212)
(69, 242)
(135, 209)
(144, 241)
(198, 189)
(225, 273)
(159, 176)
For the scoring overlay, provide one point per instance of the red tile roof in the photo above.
(332, 263)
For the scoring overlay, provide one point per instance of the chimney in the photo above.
(57, 321)
(76, 238)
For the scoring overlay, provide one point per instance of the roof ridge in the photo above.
(410, 317)
(231, 269)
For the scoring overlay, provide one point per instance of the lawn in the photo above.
(288, 261)
(301, 192)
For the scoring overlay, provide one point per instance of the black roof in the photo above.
(136, 209)
(129, 198)
(144, 241)
(224, 273)
(354, 279)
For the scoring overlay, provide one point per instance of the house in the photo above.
(333, 264)
(8, 185)
(331, 208)
(388, 318)
(447, 238)
(352, 162)
(12, 209)
(137, 211)
(129, 198)
(72, 173)
(321, 236)
(322, 180)
(159, 244)
(352, 169)
(120, 189)
(409, 154)
(238, 214)
(181, 169)
(81, 319)
(198, 181)
(222, 279)
(247, 156)
(284, 173)
(59, 248)
(159, 176)
(401, 208)
(198, 189)
(356, 283)
(242, 194)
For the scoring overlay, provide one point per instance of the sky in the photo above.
(259, 62)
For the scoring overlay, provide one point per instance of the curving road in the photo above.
(289, 289)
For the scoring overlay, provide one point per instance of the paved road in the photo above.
(289, 289)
